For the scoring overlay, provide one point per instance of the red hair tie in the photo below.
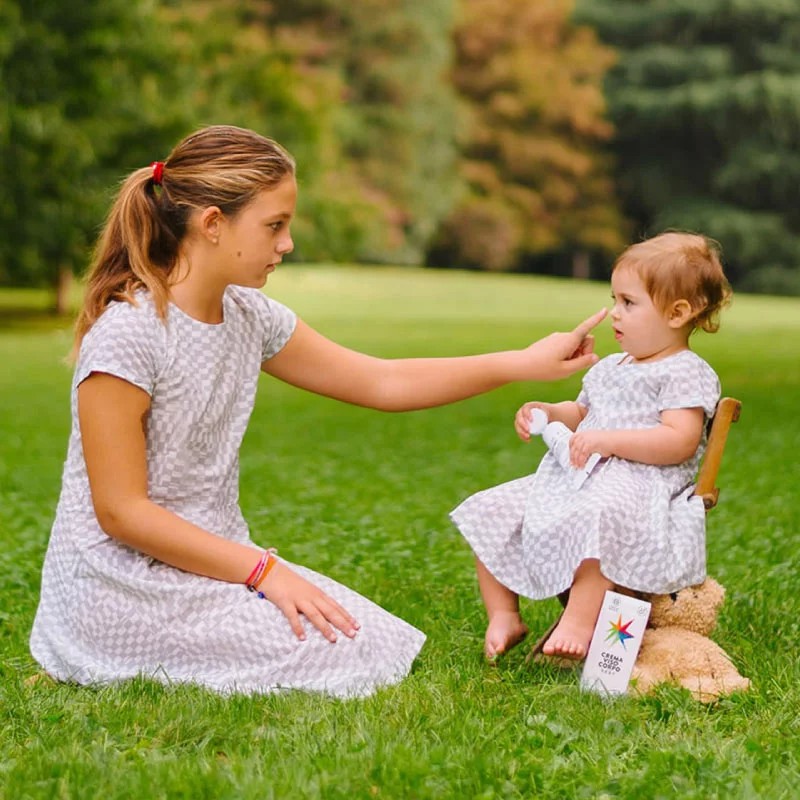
(158, 172)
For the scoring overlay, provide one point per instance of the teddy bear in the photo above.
(675, 647)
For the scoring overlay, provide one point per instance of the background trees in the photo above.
(705, 98)
(249, 70)
(85, 97)
(538, 181)
(492, 134)
(385, 66)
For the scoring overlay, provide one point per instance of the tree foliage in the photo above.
(83, 99)
(249, 71)
(533, 137)
(392, 110)
(706, 101)
(468, 132)
(358, 95)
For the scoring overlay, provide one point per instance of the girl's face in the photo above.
(641, 329)
(255, 241)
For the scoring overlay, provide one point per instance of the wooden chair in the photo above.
(727, 412)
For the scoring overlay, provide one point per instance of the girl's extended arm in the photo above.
(113, 417)
(674, 441)
(312, 362)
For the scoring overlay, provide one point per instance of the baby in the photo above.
(634, 522)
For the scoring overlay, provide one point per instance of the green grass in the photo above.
(364, 497)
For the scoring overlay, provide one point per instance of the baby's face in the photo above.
(640, 327)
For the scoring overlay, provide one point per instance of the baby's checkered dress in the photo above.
(639, 520)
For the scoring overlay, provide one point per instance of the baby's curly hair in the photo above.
(681, 266)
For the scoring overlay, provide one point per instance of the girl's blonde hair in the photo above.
(681, 266)
(138, 248)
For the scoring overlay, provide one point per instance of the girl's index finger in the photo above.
(588, 324)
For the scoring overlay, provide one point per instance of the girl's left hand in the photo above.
(294, 595)
(583, 443)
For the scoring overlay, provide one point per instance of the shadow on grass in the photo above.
(21, 318)
(32, 309)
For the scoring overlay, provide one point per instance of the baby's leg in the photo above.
(506, 628)
(573, 633)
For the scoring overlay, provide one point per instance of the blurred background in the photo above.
(534, 136)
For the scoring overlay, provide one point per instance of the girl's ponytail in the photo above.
(137, 250)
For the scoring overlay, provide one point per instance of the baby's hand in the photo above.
(522, 421)
(583, 443)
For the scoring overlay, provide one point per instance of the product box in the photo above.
(615, 644)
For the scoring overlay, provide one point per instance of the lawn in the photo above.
(364, 497)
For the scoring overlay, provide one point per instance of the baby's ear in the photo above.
(680, 313)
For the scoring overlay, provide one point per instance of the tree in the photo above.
(85, 98)
(252, 72)
(391, 111)
(533, 139)
(706, 102)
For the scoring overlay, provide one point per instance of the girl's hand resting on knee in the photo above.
(294, 595)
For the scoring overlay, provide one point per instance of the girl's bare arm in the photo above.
(312, 362)
(112, 415)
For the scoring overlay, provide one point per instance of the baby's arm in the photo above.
(673, 441)
(569, 412)
(116, 464)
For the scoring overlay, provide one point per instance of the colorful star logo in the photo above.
(619, 632)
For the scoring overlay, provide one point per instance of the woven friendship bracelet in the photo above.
(262, 569)
(259, 567)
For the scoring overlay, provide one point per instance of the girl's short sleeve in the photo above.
(126, 341)
(693, 385)
(277, 323)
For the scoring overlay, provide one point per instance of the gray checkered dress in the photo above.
(108, 612)
(641, 521)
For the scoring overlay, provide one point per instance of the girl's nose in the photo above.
(285, 245)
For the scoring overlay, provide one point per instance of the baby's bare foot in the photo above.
(506, 630)
(570, 639)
